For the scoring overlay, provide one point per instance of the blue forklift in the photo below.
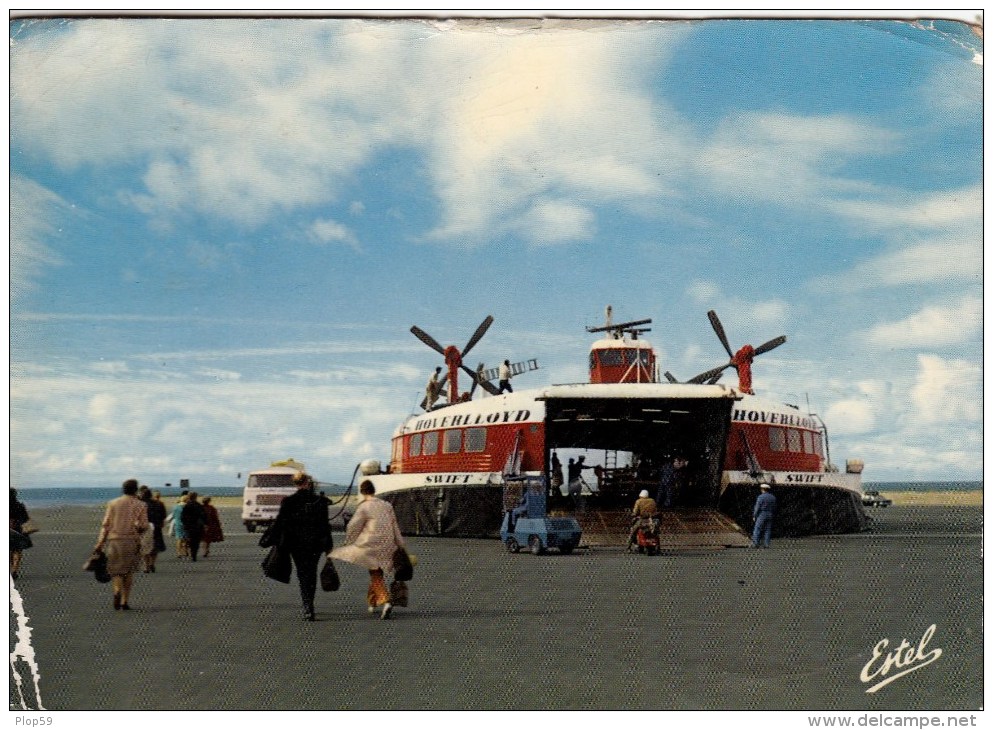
(526, 523)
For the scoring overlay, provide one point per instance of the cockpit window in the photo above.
(611, 358)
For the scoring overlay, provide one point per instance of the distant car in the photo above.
(872, 498)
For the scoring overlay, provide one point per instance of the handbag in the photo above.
(270, 537)
(19, 541)
(277, 564)
(329, 577)
(29, 527)
(399, 593)
(403, 568)
(97, 563)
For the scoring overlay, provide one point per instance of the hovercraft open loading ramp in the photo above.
(651, 421)
(682, 528)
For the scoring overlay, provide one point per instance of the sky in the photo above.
(222, 230)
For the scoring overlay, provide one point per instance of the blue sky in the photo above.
(222, 230)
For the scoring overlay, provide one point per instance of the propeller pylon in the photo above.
(740, 360)
(453, 359)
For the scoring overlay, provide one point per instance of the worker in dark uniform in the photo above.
(765, 508)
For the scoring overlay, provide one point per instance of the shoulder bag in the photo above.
(403, 568)
(277, 564)
(329, 576)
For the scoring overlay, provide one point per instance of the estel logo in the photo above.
(905, 657)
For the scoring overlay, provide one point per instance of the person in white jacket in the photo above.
(505, 375)
(371, 539)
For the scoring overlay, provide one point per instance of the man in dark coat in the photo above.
(303, 527)
(193, 518)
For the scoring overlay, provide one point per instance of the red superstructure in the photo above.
(447, 465)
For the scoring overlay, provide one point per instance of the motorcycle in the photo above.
(646, 535)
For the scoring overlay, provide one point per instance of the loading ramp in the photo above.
(682, 528)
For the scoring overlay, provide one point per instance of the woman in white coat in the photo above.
(371, 538)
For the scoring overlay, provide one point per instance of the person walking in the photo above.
(505, 375)
(193, 519)
(303, 528)
(182, 546)
(556, 475)
(157, 517)
(574, 472)
(123, 523)
(372, 537)
(148, 549)
(212, 531)
(667, 483)
(765, 509)
(432, 389)
(19, 542)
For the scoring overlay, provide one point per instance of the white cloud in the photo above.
(945, 260)
(538, 115)
(557, 221)
(850, 417)
(704, 292)
(219, 374)
(932, 326)
(325, 230)
(117, 427)
(946, 391)
(110, 367)
(788, 159)
(35, 213)
(934, 211)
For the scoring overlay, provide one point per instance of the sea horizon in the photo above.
(97, 495)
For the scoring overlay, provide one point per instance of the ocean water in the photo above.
(98, 496)
(89, 496)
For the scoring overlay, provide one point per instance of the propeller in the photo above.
(710, 377)
(477, 335)
(427, 339)
(740, 360)
(719, 329)
(477, 379)
(453, 358)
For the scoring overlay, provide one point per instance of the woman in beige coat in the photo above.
(124, 522)
(371, 538)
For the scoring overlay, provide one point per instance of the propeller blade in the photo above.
(476, 379)
(477, 335)
(704, 377)
(427, 339)
(719, 329)
(484, 384)
(670, 377)
(713, 380)
(770, 345)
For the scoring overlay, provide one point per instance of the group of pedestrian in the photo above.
(195, 522)
(372, 537)
(131, 533)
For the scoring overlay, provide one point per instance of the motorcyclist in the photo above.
(645, 515)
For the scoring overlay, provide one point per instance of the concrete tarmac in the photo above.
(790, 628)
